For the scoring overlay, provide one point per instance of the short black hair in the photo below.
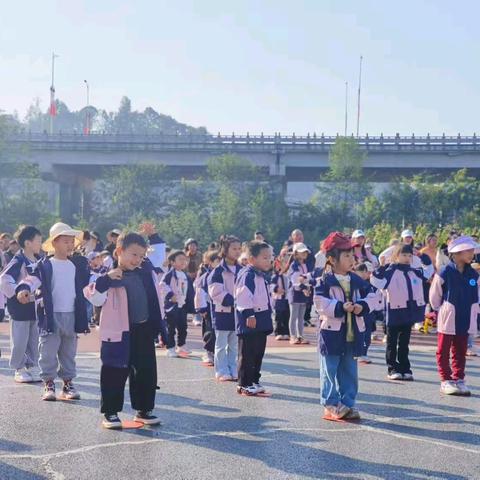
(225, 242)
(258, 232)
(255, 247)
(361, 267)
(174, 254)
(127, 239)
(26, 232)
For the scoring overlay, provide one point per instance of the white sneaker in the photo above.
(260, 388)
(408, 377)
(197, 323)
(171, 353)
(279, 337)
(35, 374)
(472, 352)
(464, 390)
(183, 351)
(22, 375)
(395, 376)
(249, 391)
(224, 378)
(449, 387)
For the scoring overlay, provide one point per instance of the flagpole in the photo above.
(52, 92)
(359, 90)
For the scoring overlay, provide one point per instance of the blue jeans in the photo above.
(338, 379)
(226, 351)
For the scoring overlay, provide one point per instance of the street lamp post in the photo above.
(86, 130)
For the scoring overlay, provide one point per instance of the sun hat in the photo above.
(460, 244)
(300, 248)
(407, 233)
(358, 233)
(58, 230)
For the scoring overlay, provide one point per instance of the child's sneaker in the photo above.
(146, 418)
(207, 359)
(22, 375)
(285, 337)
(463, 389)
(364, 360)
(336, 412)
(224, 378)
(408, 377)
(449, 387)
(197, 323)
(69, 392)
(249, 391)
(302, 341)
(171, 353)
(353, 414)
(183, 351)
(49, 391)
(111, 421)
(260, 388)
(35, 374)
(279, 337)
(395, 376)
(472, 352)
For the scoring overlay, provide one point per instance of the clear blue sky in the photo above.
(260, 65)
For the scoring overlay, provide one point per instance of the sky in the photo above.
(252, 66)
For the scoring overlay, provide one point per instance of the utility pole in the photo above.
(359, 92)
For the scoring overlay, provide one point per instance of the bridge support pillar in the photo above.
(70, 202)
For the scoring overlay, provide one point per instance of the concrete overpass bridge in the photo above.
(73, 160)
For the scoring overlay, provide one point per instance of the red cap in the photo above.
(336, 240)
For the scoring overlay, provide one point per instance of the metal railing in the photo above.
(267, 143)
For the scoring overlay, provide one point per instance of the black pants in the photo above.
(208, 333)
(2, 314)
(308, 311)
(398, 339)
(142, 374)
(251, 348)
(177, 324)
(281, 322)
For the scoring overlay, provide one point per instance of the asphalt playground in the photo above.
(408, 431)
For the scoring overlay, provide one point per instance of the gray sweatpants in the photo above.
(58, 349)
(297, 312)
(24, 344)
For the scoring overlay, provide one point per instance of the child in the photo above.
(364, 271)
(221, 282)
(23, 327)
(455, 294)
(361, 250)
(130, 320)
(403, 286)
(177, 296)
(58, 283)
(97, 268)
(253, 317)
(279, 287)
(299, 293)
(342, 328)
(203, 304)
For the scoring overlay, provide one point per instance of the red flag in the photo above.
(53, 105)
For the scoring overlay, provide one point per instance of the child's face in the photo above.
(215, 263)
(34, 245)
(364, 274)
(131, 257)
(263, 261)
(301, 256)
(405, 258)
(234, 251)
(180, 262)
(360, 241)
(345, 263)
(96, 263)
(464, 257)
(64, 245)
(408, 240)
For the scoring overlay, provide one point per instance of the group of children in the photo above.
(141, 297)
